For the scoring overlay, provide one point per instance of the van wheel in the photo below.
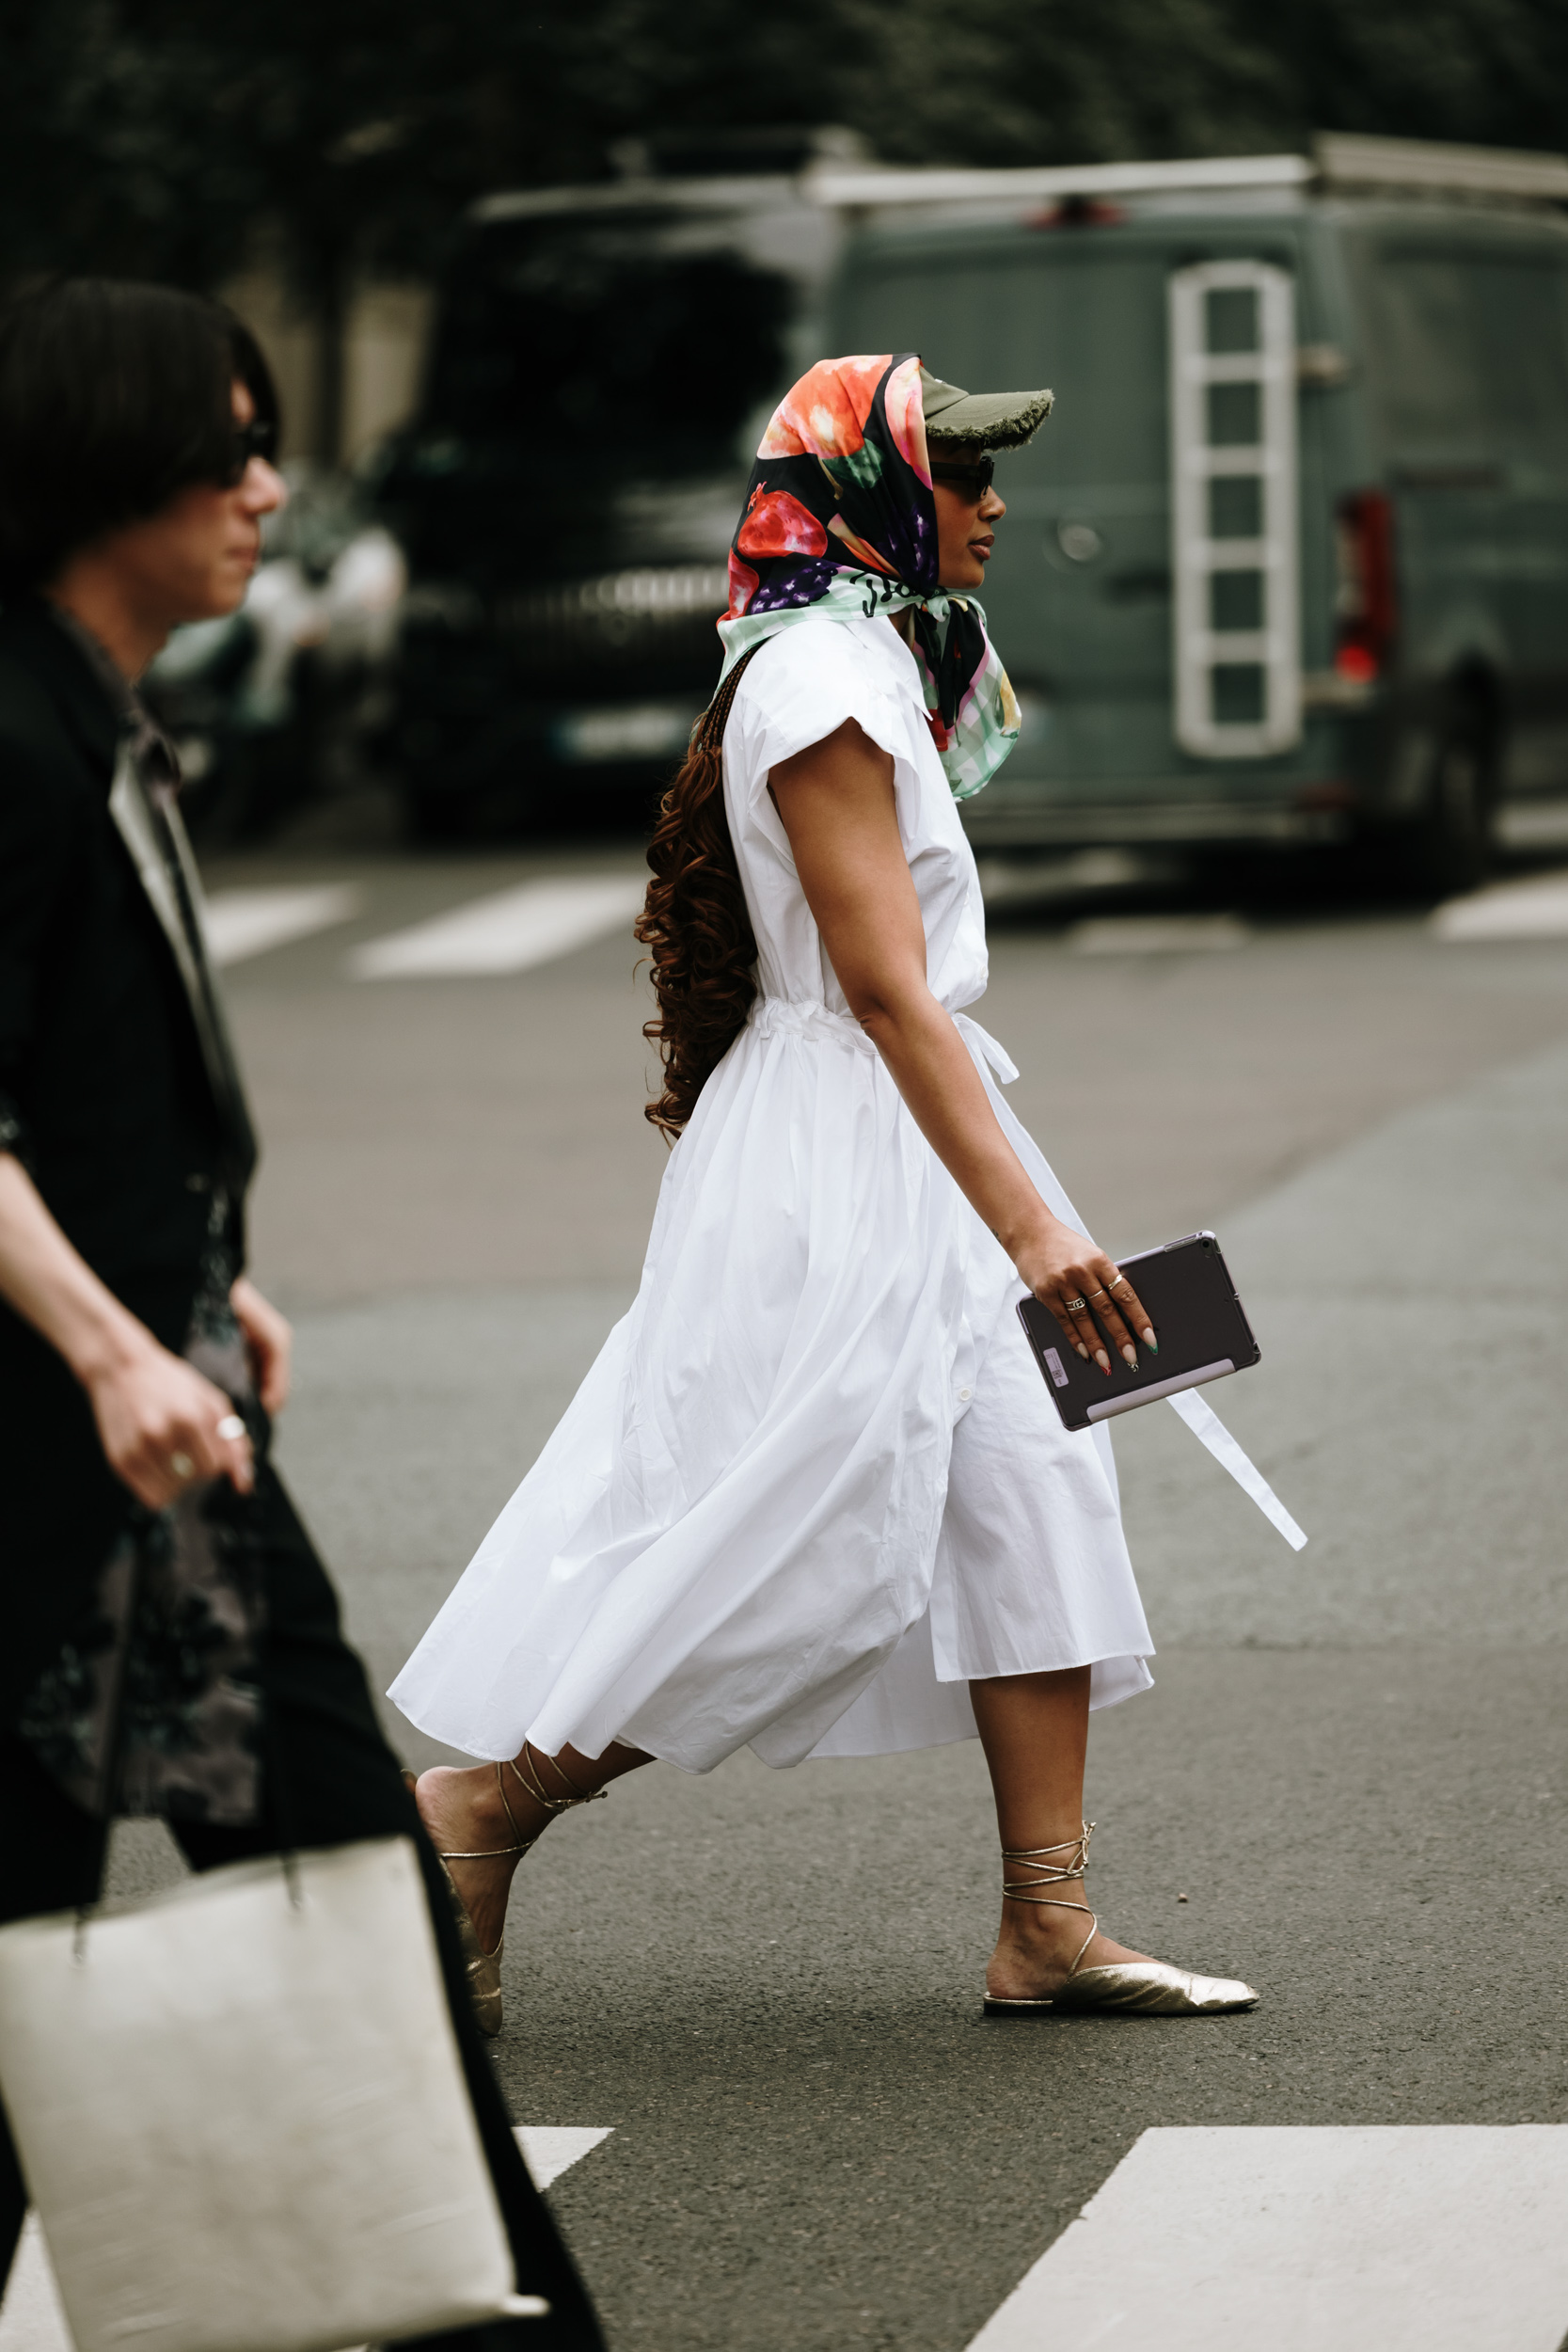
(1449, 849)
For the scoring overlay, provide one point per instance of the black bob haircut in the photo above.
(114, 397)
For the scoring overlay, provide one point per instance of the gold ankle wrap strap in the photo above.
(1047, 1873)
(529, 1780)
(552, 1804)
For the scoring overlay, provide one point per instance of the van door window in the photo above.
(1472, 354)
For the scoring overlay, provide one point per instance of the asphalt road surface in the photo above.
(1348, 1784)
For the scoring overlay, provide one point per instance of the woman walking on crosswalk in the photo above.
(813, 1498)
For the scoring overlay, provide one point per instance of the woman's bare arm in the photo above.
(150, 1405)
(835, 802)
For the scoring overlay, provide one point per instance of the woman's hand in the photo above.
(163, 1428)
(1079, 1283)
(270, 1340)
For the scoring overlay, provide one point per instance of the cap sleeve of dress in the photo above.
(801, 689)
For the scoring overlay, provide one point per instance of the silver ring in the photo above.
(180, 1466)
(1074, 1306)
(230, 1426)
(1118, 1283)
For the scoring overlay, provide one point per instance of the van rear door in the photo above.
(1078, 591)
(1467, 325)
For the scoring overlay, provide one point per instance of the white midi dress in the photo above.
(814, 1483)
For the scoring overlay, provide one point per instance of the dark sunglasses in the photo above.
(259, 439)
(974, 481)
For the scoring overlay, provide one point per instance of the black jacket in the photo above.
(106, 1095)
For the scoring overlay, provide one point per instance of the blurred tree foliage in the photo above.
(163, 136)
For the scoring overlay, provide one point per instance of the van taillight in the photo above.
(1365, 602)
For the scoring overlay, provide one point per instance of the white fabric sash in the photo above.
(772, 1014)
(1207, 1428)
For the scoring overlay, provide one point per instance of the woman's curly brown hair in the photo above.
(695, 924)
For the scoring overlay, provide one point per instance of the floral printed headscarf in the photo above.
(840, 520)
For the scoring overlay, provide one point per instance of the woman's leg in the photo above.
(475, 1809)
(1035, 1730)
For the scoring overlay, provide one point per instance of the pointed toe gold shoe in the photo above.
(1149, 1988)
(482, 1968)
(1128, 1988)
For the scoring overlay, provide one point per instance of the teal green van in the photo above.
(1288, 565)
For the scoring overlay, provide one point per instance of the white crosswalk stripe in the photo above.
(242, 923)
(1352, 2239)
(509, 931)
(551, 2149)
(31, 2319)
(1536, 909)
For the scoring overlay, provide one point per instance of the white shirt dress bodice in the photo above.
(814, 1484)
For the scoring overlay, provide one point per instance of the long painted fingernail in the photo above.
(1104, 1361)
(1132, 1355)
(1150, 1341)
(1082, 1349)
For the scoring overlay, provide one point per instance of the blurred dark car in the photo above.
(603, 364)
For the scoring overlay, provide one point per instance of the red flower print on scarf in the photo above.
(824, 414)
(743, 585)
(906, 418)
(777, 524)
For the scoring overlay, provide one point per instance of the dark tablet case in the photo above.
(1197, 1318)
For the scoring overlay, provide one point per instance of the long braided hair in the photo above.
(694, 923)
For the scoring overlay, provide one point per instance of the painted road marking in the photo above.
(549, 2149)
(1533, 824)
(242, 923)
(1537, 909)
(510, 931)
(1336, 2239)
(1157, 934)
(31, 2319)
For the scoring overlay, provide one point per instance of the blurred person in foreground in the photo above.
(150, 1550)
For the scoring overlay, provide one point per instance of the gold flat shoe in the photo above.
(1128, 1988)
(482, 1968)
(1138, 1988)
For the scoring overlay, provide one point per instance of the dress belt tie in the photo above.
(806, 1017)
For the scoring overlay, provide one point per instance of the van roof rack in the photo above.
(1340, 162)
(1510, 174)
(937, 183)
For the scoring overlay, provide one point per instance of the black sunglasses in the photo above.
(259, 439)
(974, 480)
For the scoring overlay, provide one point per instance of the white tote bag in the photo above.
(242, 2114)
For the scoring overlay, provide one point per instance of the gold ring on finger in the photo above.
(180, 1466)
(1074, 1306)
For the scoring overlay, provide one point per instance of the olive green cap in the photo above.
(984, 419)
